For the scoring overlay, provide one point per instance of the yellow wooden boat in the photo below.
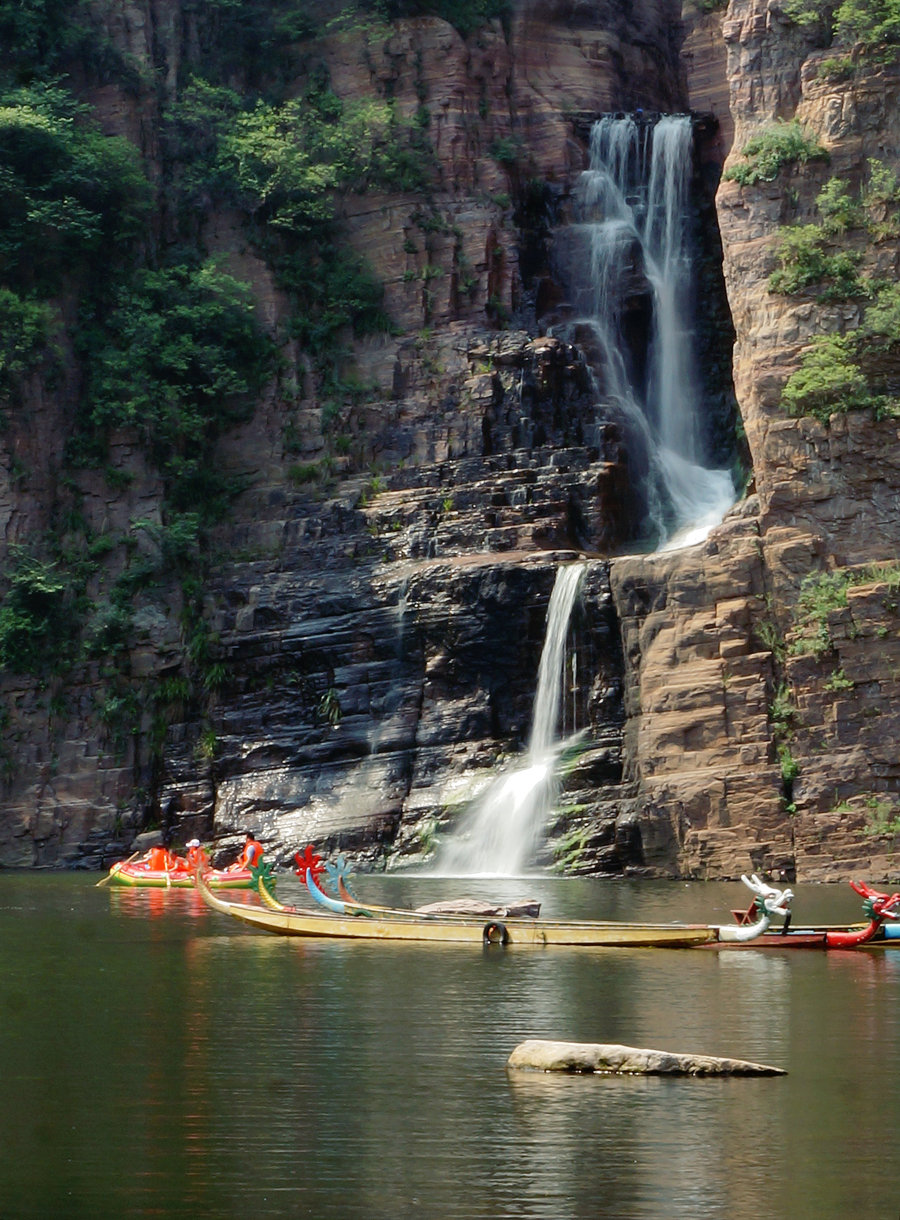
(362, 923)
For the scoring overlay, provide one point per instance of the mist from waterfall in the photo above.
(634, 203)
(502, 831)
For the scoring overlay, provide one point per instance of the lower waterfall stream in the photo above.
(501, 831)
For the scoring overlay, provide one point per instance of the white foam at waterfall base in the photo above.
(502, 829)
(702, 498)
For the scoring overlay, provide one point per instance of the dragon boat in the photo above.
(340, 919)
(877, 909)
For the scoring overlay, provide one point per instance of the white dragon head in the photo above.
(769, 900)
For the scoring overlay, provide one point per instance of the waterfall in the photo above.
(502, 830)
(633, 208)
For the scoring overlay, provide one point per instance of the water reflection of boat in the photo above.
(350, 920)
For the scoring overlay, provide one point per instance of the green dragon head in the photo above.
(262, 874)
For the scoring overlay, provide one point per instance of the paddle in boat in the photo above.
(340, 919)
(160, 868)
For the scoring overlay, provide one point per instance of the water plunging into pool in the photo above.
(502, 830)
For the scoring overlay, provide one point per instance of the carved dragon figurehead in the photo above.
(769, 900)
(339, 874)
(310, 861)
(875, 904)
(263, 875)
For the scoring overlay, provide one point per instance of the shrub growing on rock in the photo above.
(776, 145)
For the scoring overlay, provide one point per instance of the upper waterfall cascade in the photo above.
(634, 209)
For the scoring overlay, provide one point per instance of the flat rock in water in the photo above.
(613, 1059)
(527, 908)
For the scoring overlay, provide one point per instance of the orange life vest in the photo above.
(251, 855)
(196, 856)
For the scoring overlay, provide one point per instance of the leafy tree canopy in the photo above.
(871, 22)
(179, 357)
(67, 191)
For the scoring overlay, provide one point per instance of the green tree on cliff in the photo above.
(871, 22)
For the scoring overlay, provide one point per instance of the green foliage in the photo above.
(339, 294)
(853, 371)
(821, 593)
(178, 358)
(466, 16)
(805, 260)
(283, 166)
(177, 539)
(771, 637)
(870, 22)
(789, 767)
(38, 616)
(251, 40)
(68, 193)
(829, 379)
(839, 682)
(192, 127)
(304, 473)
(836, 68)
(25, 329)
(776, 145)
(810, 12)
(34, 34)
(329, 708)
(568, 851)
(881, 322)
(508, 150)
(882, 816)
(782, 711)
(109, 630)
(880, 199)
(120, 714)
(839, 211)
(286, 162)
(883, 186)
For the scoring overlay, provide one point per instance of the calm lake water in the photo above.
(161, 1060)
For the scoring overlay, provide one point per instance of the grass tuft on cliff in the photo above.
(778, 144)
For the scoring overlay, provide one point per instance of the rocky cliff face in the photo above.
(374, 612)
